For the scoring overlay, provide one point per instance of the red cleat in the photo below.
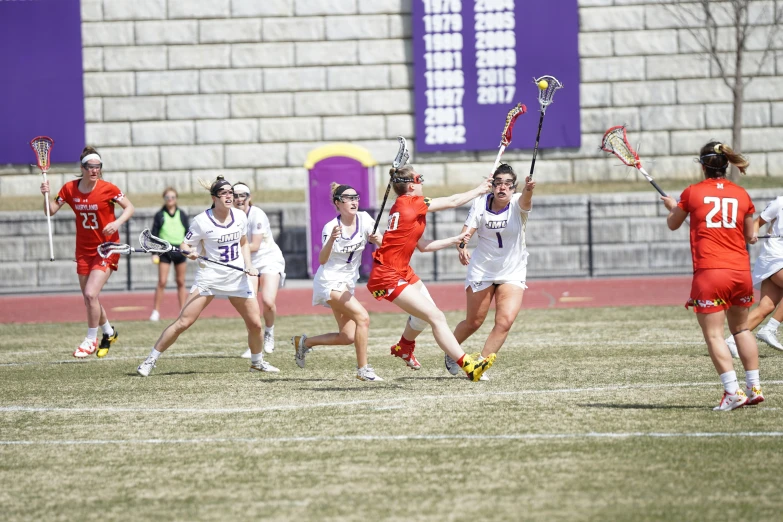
(406, 354)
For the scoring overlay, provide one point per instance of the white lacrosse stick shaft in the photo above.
(48, 219)
(497, 160)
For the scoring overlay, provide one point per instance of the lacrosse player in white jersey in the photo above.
(266, 258)
(498, 266)
(344, 239)
(768, 276)
(220, 235)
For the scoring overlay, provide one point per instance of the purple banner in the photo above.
(41, 89)
(475, 59)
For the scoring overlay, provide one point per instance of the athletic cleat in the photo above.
(732, 346)
(366, 373)
(754, 395)
(269, 342)
(263, 366)
(406, 355)
(86, 349)
(247, 354)
(146, 367)
(106, 342)
(732, 402)
(300, 350)
(474, 368)
(155, 316)
(770, 336)
(451, 365)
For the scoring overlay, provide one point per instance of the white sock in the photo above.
(751, 378)
(155, 354)
(772, 324)
(107, 329)
(729, 380)
(92, 334)
(256, 357)
(270, 330)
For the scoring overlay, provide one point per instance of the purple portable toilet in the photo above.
(342, 163)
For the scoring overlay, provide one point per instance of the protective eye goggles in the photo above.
(241, 195)
(225, 194)
(418, 179)
(89, 166)
(504, 183)
(349, 197)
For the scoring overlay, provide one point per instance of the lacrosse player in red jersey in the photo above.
(393, 279)
(92, 200)
(721, 224)
(220, 233)
(344, 239)
(498, 267)
(267, 258)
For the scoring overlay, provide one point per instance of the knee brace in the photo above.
(416, 323)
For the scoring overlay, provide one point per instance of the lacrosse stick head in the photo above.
(511, 118)
(546, 94)
(42, 146)
(616, 141)
(152, 244)
(403, 155)
(109, 249)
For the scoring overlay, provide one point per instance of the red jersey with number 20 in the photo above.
(407, 221)
(718, 208)
(94, 210)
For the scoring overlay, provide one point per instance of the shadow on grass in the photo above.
(643, 406)
(294, 379)
(441, 378)
(358, 388)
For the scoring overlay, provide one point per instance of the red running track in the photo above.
(566, 293)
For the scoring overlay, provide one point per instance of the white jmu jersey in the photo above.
(346, 257)
(268, 252)
(220, 243)
(770, 260)
(501, 254)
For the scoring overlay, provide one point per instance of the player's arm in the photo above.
(457, 200)
(751, 230)
(526, 201)
(246, 257)
(127, 212)
(431, 245)
(676, 216)
(326, 250)
(464, 253)
(255, 244)
(55, 205)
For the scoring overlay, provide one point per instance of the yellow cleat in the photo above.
(475, 368)
(106, 342)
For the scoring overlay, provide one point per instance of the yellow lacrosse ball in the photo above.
(543, 84)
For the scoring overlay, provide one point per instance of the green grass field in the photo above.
(589, 414)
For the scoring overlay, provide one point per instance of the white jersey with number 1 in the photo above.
(220, 243)
(501, 254)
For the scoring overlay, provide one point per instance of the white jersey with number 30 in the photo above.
(219, 243)
(501, 254)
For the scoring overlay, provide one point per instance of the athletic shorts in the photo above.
(86, 264)
(478, 286)
(387, 283)
(273, 267)
(322, 290)
(172, 257)
(717, 289)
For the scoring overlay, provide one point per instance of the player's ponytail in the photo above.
(716, 157)
(400, 178)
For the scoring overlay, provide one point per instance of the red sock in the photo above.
(406, 343)
(459, 361)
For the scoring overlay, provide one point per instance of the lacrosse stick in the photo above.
(547, 85)
(42, 146)
(616, 141)
(155, 245)
(505, 138)
(400, 160)
(109, 249)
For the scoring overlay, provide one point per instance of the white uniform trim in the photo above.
(770, 260)
(341, 270)
(268, 259)
(501, 254)
(221, 243)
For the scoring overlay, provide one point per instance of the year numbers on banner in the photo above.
(499, 58)
(446, 23)
(442, 6)
(444, 116)
(443, 42)
(494, 5)
(444, 97)
(494, 21)
(448, 60)
(445, 134)
(491, 95)
(444, 79)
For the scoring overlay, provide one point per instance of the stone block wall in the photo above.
(180, 89)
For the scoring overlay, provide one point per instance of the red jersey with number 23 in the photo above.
(718, 208)
(94, 210)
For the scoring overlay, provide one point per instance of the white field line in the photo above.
(395, 438)
(337, 404)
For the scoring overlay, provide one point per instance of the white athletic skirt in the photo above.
(228, 286)
(276, 265)
(766, 267)
(322, 290)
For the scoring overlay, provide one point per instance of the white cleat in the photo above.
(300, 349)
(451, 365)
(263, 366)
(247, 354)
(366, 373)
(770, 336)
(155, 316)
(146, 367)
(269, 342)
(732, 402)
(86, 349)
(732, 346)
